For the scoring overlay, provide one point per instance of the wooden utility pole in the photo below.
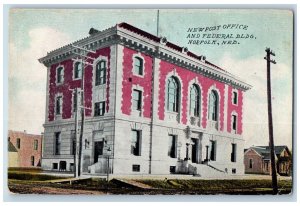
(83, 54)
(81, 106)
(76, 134)
(271, 139)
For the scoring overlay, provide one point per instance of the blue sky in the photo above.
(32, 33)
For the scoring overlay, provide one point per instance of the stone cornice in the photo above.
(118, 35)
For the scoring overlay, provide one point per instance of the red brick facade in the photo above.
(29, 153)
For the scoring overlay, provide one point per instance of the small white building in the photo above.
(150, 105)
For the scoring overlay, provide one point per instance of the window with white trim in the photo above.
(173, 94)
(194, 100)
(137, 99)
(213, 106)
(58, 105)
(138, 66)
(100, 73)
(99, 109)
(77, 70)
(60, 75)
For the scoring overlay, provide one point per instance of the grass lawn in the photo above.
(32, 182)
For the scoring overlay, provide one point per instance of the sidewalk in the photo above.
(168, 176)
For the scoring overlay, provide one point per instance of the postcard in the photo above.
(150, 101)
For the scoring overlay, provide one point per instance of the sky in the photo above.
(34, 32)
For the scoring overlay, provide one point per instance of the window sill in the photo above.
(173, 116)
(58, 117)
(196, 121)
(138, 75)
(213, 124)
(100, 85)
(136, 113)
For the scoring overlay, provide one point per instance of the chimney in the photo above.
(93, 31)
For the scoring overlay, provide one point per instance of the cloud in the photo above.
(27, 78)
(255, 116)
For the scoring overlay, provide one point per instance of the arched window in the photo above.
(213, 106)
(194, 100)
(60, 75)
(138, 65)
(101, 73)
(173, 94)
(77, 70)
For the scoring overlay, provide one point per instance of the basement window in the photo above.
(233, 171)
(172, 169)
(135, 168)
(55, 166)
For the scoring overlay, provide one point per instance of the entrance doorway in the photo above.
(98, 150)
(195, 150)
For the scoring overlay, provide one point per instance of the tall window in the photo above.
(213, 150)
(173, 94)
(58, 105)
(233, 152)
(57, 143)
(250, 163)
(73, 142)
(101, 73)
(138, 65)
(18, 143)
(234, 119)
(75, 102)
(99, 109)
(194, 101)
(234, 97)
(35, 144)
(137, 99)
(172, 146)
(213, 106)
(77, 70)
(136, 140)
(32, 160)
(60, 75)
